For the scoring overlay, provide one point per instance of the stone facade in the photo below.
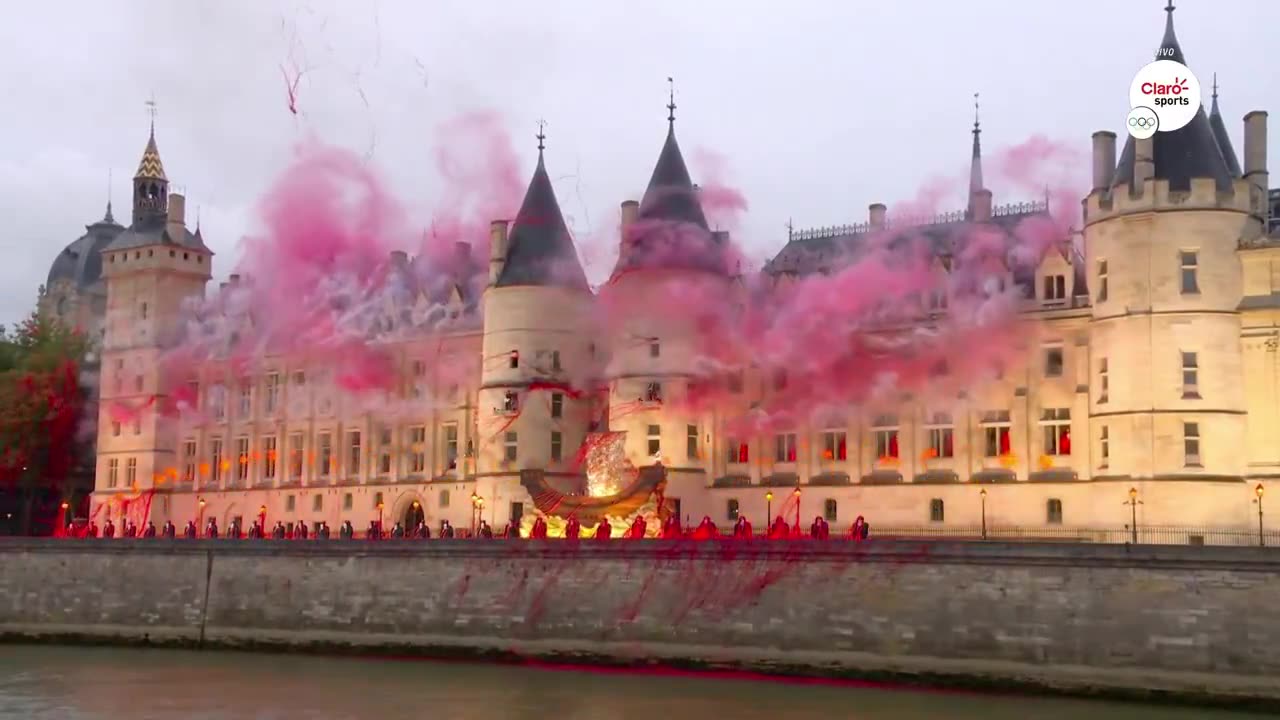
(1196, 622)
(1154, 367)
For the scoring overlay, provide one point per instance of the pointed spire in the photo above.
(1169, 48)
(542, 137)
(108, 218)
(671, 106)
(975, 166)
(1220, 134)
(540, 250)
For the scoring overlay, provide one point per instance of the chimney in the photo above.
(1104, 158)
(982, 206)
(234, 279)
(630, 211)
(175, 224)
(1255, 157)
(875, 215)
(1144, 163)
(399, 259)
(497, 249)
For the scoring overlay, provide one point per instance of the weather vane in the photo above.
(671, 107)
(542, 134)
(151, 110)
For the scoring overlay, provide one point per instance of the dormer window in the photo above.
(1055, 288)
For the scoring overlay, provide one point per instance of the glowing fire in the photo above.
(608, 469)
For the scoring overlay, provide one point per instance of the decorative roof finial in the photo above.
(542, 136)
(1169, 8)
(671, 106)
(108, 217)
(976, 129)
(1215, 87)
(151, 109)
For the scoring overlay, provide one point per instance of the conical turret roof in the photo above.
(540, 250)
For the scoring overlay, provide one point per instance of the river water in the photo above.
(51, 683)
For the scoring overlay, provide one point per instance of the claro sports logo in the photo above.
(1161, 95)
(1170, 90)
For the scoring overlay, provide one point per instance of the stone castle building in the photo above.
(1158, 372)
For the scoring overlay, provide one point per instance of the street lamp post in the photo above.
(1133, 502)
(380, 506)
(797, 529)
(200, 519)
(983, 494)
(475, 500)
(262, 520)
(768, 509)
(1258, 491)
(479, 514)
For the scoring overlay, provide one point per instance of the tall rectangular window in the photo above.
(215, 461)
(510, 446)
(115, 428)
(131, 472)
(385, 445)
(557, 444)
(995, 432)
(1191, 443)
(269, 457)
(937, 510)
(246, 399)
(1102, 281)
(941, 436)
(654, 439)
(273, 391)
(113, 472)
(653, 392)
(1104, 447)
(738, 450)
(353, 453)
(1053, 361)
(1104, 380)
(418, 373)
(513, 360)
(189, 461)
(218, 400)
(732, 510)
(510, 402)
(655, 349)
(326, 454)
(691, 442)
(1057, 430)
(1190, 264)
(557, 405)
(784, 448)
(1055, 288)
(417, 449)
(835, 445)
(295, 455)
(1190, 376)
(242, 458)
(885, 431)
(555, 361)
(450, 443)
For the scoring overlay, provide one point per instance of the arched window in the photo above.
(937, 510)
(830, 510)
(731, 509)
(1054, 511)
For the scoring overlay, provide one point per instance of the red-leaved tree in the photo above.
(42, 405)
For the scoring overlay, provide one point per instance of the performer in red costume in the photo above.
(573, 528)
(638, 528)
(780, 529)
(603, 530)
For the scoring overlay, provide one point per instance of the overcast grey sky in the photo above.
(819, 108)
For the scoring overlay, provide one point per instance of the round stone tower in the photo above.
(535, 393)
(1167, 404)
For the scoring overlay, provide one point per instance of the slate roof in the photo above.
(671, 195)
(540, 250)
(81, 261)
(1189, 152)
(1220, 134)
(154, 231)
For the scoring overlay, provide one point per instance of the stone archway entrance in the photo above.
(413, 514)
(408, 510)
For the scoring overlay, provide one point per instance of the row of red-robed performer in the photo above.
(672, 529)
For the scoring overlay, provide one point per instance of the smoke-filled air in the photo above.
(336, 279)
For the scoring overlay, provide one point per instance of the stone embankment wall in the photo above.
(1188, 623)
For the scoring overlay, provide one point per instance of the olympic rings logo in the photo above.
(1142, 122)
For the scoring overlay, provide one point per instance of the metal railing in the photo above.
(1145, 535)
